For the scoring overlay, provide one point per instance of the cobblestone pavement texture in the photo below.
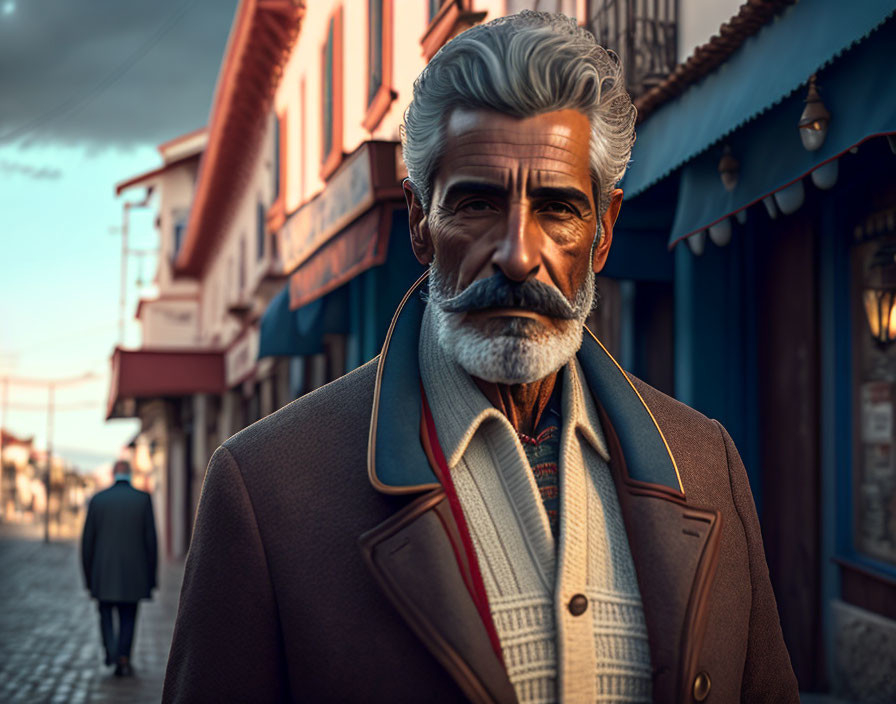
(50, 649)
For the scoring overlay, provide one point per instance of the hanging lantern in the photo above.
(825, 176)
(729, 169)
(791, 198)
(815, 119)
(697, 243)
(880, 296)
(720, 233)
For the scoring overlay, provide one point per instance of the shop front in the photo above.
(772, 178)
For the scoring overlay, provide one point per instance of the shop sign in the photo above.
(347, 194)
(358, 247)
(239, 360)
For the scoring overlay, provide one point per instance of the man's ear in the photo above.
(607, 221)
(421, 240)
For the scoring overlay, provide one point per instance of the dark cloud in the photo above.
(108, 72)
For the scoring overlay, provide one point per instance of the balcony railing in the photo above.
(642, 32)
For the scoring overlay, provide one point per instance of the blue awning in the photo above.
(286, 333)
(859, 90)
(767, 68)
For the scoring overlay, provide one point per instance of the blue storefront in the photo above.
(774, 238)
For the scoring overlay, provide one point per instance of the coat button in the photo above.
(578, 605)
(701, 686)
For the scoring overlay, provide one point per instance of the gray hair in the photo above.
(522, 65)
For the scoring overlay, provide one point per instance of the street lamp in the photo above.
(880, 296)
(815, 119)
(729, 169)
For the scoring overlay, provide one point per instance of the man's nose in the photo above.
(518, 254)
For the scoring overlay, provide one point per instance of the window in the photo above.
(374, 48)
(331, 97)
(275, 169)
(180, 218)
(874, 522)
(260, 230)
(379, 62)
(277, 213)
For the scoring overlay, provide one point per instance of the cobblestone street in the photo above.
(50, 647)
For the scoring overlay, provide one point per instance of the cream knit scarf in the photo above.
(551, 654)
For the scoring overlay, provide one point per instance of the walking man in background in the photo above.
(119, 555)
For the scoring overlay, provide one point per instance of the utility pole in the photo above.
(3, 430)
(51, 385)
(51, 388)
(125, 252)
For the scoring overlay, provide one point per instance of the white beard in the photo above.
(508, 359)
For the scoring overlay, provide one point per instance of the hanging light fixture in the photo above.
(720, 233)
(791, 198)
(880, 296)
(729, 169)
(825, 176)
(815, 119)
(697, 243)
(770, 207)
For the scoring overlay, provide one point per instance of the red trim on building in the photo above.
(262, 37)
(179, 297)
(157, 373)
(752, 16)
(332, 159)
(381, 102)
(165, 146)
(153, 174)
(453, 17)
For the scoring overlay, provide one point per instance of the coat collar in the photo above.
(396, 463)
(674, 544)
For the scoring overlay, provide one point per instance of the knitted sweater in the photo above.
(552, 650)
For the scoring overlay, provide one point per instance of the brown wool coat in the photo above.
(280, 602)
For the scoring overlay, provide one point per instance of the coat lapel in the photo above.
(421, 558)
(428, 570)
(674, 544)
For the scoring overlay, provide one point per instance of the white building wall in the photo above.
(699, 20)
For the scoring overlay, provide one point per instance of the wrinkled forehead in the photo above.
(552, 146)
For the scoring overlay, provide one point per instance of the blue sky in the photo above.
(95, 86)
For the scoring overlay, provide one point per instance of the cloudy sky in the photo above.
(87, 89)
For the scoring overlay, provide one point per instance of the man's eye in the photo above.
(557, 207)
(477, 205)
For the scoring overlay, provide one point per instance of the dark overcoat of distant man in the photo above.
(119, 555)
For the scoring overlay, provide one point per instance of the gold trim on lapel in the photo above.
(374, 417)
(644, 403)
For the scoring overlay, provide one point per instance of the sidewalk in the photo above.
(49, 627)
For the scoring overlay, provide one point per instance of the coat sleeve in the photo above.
(150, 543)
(227, 643)
(88, 543)
(768, 675)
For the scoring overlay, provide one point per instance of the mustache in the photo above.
(500, 292)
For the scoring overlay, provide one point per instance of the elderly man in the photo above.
(491, 510)
(119, 556)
